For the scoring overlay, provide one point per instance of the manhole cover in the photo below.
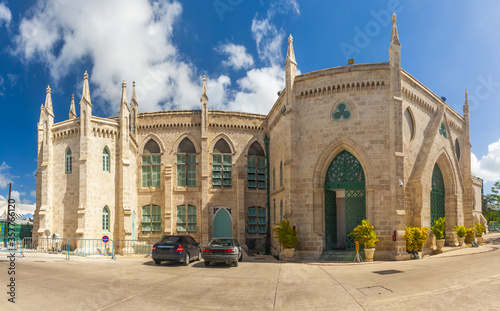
(374, 290)
(384, 272)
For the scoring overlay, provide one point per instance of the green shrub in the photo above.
(364, 234)
(285, 234)
(480, 229)
(438, 228)
(460, 230)
(415, 238)
(469, 235)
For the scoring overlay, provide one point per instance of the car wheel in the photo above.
(241, 257)
(157, 261)
(235, 263)
(207, 263)
(186, 259)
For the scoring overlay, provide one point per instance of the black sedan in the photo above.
(226, 250)
(180, 248)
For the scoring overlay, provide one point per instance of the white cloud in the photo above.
(33, 193)
(488, 168)
(16, 195)
(133, 40)
(125, 39)
(2, 198)
(5, 15)
(5, 178)
(238, 56)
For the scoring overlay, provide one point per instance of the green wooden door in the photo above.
(437, 195)
(330, 219)
(345, 172)
(222, 224)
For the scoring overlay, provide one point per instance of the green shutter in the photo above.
(146, 218)
(191, 182)
(156, 175)
(146, 176)
(181, 218)
(181, 175)
(192, 218)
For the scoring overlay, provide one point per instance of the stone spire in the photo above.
(466, 109)
(86, 89)
(48, 102)
(124, 95)
(134, 96)
(290, 54)
(72, 110)
(41, 114)
(394, 35)
(204, 96)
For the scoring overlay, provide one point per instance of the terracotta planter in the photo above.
(439, 246)
(369, 252)
(461, 241)
(479, 240)
(288, 252)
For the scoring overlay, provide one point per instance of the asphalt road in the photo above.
(462, 279)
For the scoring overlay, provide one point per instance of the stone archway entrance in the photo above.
(345, 200)
(437, 195)
(223, 225)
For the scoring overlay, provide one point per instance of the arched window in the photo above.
(68, 161)
(257, 220)
(281, 211)
(186, 164)
(105, 218)
(186, 218)
(409, 128)
(105, 159)
(457, 149)
(151, 165)
(151, 218)
(256, 167)
(281, 173)
(222, 164)
(274, 178)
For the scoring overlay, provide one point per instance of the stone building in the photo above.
(338, 146)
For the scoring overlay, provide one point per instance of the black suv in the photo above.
(180, 248)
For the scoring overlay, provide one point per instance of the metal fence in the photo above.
(494, 227)
(11, 245)
(44, 245)
(131, 247)
(84, 247)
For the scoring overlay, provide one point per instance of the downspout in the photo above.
(268, 237)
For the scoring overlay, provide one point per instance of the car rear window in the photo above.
(221, 242)
(172, 240)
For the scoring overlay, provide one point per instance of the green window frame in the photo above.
(281, 211)
(105, 219)
(105, 160)
(186, 222)
(222, 168)
(257, 220)
(151, 218)
(186, 164)
(281, 173)
(151, 165)
(68, 162)
(256, 170)
(274, 208)
(274, 178)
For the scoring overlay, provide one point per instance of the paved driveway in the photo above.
(465, 279)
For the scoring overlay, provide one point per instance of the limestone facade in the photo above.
(395, 127)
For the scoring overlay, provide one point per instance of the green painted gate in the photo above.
(344, 172)
(222, 224)
(437, 195)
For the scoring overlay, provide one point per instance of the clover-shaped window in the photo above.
(342, 112)
(442, 131)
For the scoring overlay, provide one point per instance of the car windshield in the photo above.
(221, 242)
(172, 239)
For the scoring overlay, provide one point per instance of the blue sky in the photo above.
(167, 46)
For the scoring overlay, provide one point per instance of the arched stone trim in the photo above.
(251, 141)
(154, 137)
(228, 141)
(414, 123)
(351, 106)
(191, 137)
(329, 153)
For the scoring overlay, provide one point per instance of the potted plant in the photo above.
(438, 230)
(286, 236)
(460, 231)
(480, 229)
(415, 240)
(364, 234)
(469, 235)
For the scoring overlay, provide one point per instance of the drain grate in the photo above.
(384, 272)
(374, 290)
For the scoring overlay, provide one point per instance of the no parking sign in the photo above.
(105, 239)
